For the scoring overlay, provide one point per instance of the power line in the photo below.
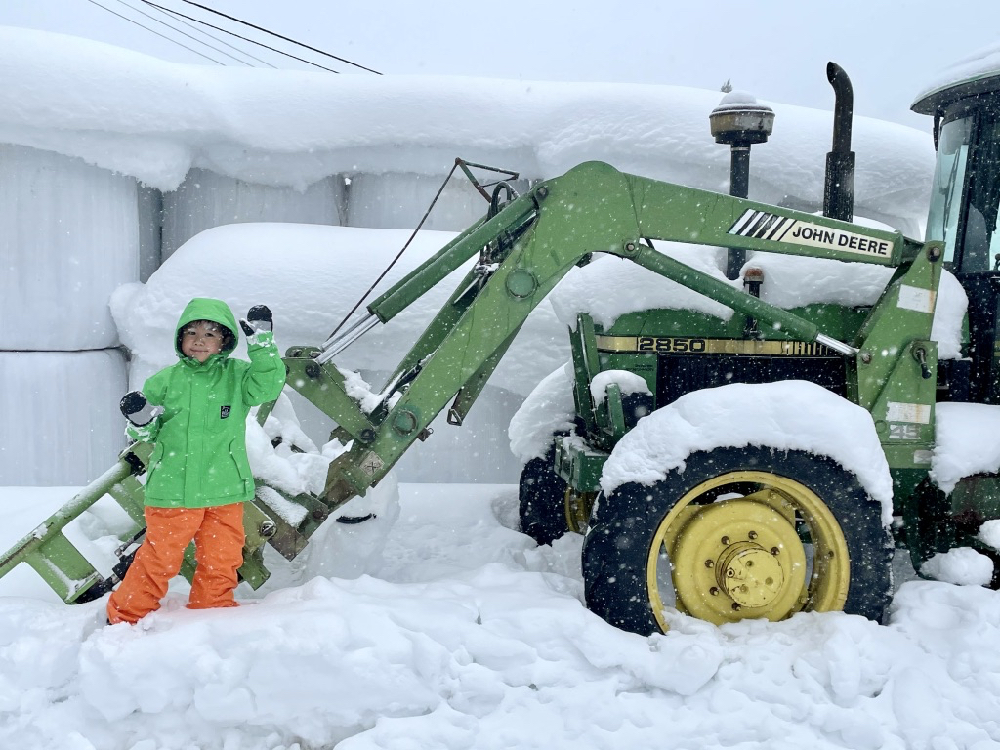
(233, 33)
(191, 26)
(181, 31)
(272, 33)
(174, 41)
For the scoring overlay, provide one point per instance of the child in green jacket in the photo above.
(194, 413)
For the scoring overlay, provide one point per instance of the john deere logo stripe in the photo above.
(767, 226)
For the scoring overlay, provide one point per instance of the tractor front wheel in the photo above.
(741, 533)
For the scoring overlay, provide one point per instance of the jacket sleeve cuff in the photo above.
(261, 339)
(144, 434)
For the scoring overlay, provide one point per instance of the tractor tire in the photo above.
(542, 500)
(739, 533)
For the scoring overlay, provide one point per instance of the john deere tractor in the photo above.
(744, 528)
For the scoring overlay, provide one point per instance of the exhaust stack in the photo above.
(838, 184)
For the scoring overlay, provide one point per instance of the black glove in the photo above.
(258, 320)
(138, 410)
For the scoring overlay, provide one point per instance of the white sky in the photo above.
(778, 53)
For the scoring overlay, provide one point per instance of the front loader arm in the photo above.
(524, 251)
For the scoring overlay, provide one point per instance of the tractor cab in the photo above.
(965, 198)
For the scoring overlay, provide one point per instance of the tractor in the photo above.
(754, 517)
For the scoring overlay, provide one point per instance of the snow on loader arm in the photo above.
(523, 249)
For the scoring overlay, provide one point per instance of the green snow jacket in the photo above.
(200, 457)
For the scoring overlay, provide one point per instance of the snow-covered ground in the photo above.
(464, 634)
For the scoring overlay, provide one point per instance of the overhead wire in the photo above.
(151, 31)
(279, 36)
(233, 33)
(181, 31)
(170, 14)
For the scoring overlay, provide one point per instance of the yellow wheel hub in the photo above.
(742, 557)
(750, 575)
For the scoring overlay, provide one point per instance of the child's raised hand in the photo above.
(258, 320)
(138, 410)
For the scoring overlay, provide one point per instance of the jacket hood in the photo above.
(204, 308)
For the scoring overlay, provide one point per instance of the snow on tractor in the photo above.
(727, 451)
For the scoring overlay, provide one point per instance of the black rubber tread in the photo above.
(542, 500)
(621, 532)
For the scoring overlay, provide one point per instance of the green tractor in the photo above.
(751, 515)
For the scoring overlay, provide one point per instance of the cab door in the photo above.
(964, 207)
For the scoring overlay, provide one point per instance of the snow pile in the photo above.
(989, 533)
(982, 62)
(589, 288)
(467, 636)
(546, 411)
(627, 382)
(792, 415)
(963, 566)
(140, 116)
(791, 281)
(966, 442)
(296, 466)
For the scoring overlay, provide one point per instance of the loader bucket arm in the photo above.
(50, 553)
(593, 208)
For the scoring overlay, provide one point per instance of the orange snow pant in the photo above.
(218, 539)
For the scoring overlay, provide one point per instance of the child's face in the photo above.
(201, 339)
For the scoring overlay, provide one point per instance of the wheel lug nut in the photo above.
(709, 563)
(725, 540)
(752, 535)
(735, 607)
(774, 551)
(714, 591)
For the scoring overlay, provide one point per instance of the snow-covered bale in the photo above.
(68, 236)
(394, 200)
(136, 115)
(206, 200)
(311, 276)
(59, 418)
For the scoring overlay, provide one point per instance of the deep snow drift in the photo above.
(463, 634)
